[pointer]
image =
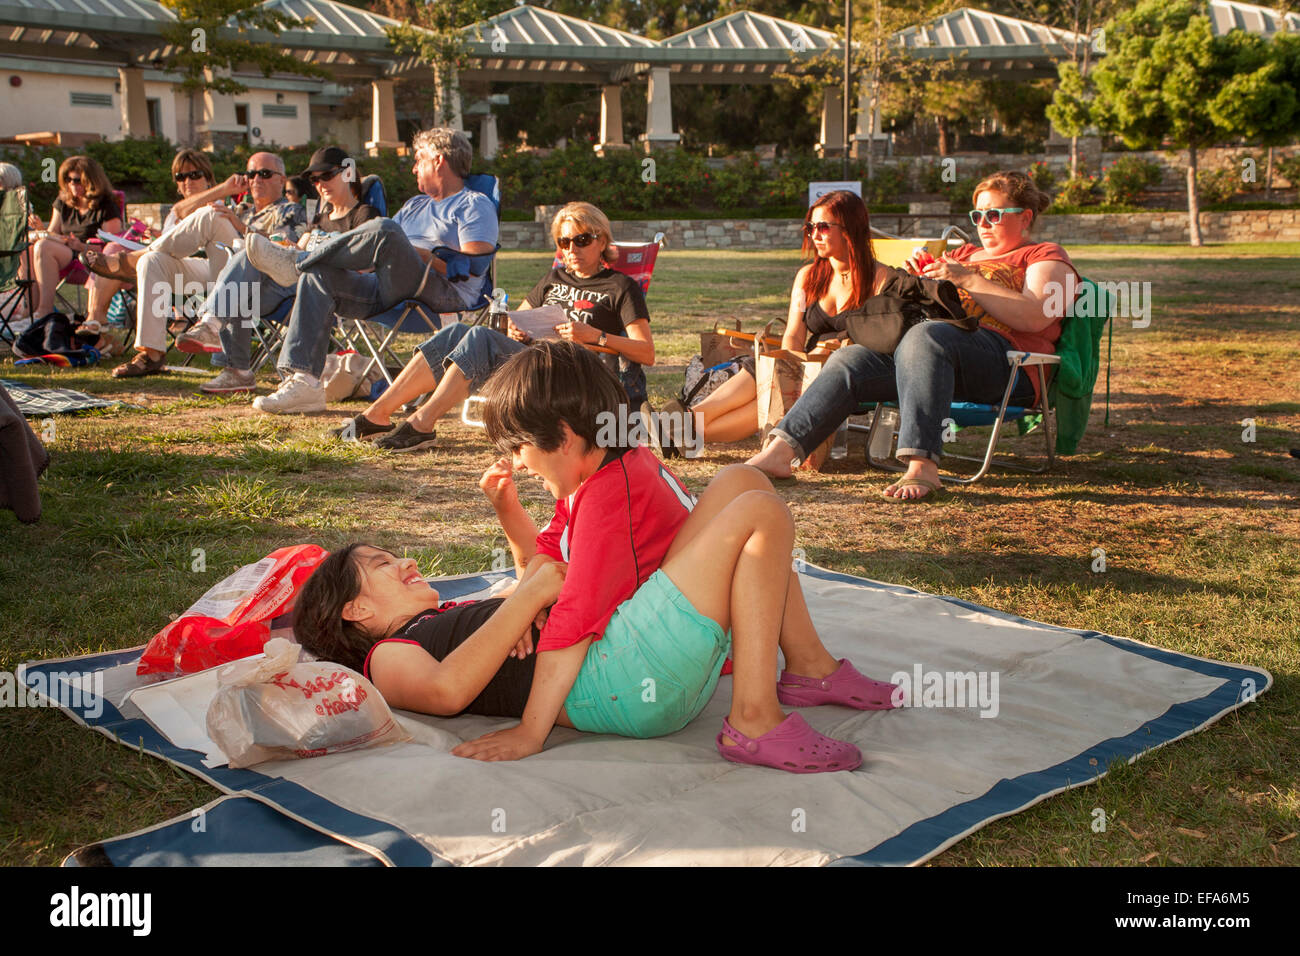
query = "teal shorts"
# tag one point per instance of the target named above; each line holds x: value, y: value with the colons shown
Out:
x: 655, y: 668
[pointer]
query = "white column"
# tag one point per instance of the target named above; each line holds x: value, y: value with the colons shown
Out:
x: 135, y: 109
x: 611, y: 118
x: 217, y: 128
x: 659, y: 110
x: 831, y: 140
x: 488, y: 144
x: 383, y: 118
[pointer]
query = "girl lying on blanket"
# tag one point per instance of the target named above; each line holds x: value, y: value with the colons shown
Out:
x: 658, y: 587
x: 371, y: 611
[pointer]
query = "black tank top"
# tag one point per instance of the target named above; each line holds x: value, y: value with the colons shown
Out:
x: 822, y: 326
x: 443, y: 629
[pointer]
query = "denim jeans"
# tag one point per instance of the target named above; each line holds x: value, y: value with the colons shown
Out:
x: 477, y: 351
x: 329, y: 285
x: 934, y: 365
x: 241, y: 294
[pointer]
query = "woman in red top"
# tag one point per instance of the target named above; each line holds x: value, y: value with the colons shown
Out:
x: 1008, y: 283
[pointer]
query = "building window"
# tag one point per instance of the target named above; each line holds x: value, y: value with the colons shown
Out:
x: 92, y: 99
x: 274, y: 111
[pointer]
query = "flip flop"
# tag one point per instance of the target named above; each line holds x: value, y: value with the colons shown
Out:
x: 791, y: 746
x: 110, y: 265
x: 936, y: 490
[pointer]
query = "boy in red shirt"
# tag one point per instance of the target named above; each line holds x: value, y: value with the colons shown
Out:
x: 655, y: 583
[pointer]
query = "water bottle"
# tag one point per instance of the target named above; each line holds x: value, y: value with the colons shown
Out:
x: 497, y: 311
x: 882, y: 442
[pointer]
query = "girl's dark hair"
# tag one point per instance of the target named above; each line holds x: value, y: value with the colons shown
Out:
x: 546, y: 384
x: 850, y: 212
x: 318, y: 623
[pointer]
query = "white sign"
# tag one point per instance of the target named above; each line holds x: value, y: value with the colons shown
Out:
x: 817, y: 190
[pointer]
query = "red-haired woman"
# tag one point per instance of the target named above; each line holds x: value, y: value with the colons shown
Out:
x: 1007, y: 283
x: 840, y: 277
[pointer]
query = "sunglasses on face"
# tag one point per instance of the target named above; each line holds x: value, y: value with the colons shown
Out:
x: 819, y: 228
x: 316, y: 178
x: 74, y: 180
x: 186, y: 177
x: 992, y: 216
x: 582, y: 241
x: 260, y: 173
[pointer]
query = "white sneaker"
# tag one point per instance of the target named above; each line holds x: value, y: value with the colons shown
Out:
x: 299, y: 393
x: 277, y: 261
x: 230, y: 380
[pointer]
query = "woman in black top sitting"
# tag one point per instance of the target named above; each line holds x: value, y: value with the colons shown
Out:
x: 373, y: 612
x: 843, y: 273
x: 85, y: 205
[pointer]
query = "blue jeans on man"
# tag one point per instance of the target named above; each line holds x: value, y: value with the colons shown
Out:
x: 934, y: 365
x: 232, y: 301
x: 330, y: 285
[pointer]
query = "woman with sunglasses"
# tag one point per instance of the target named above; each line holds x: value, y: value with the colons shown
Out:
x: 1007, y: 283
x: 840, y: 277
x: 604, y: 310
x: 84, y: 206
x: 192, y: 173
x: 222, y: 326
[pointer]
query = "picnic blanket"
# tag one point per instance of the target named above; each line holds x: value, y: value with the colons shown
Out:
x: 1044, y: 709
x: 34, y: 402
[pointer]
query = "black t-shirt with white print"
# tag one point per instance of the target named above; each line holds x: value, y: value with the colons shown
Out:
x: 609, y: 301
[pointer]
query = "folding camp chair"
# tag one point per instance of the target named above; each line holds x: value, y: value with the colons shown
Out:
x: 413, y: 316
x: 14, y: 292
x: 1041, y: 415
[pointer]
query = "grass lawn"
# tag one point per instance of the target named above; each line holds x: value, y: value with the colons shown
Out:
x: 1200, y: 529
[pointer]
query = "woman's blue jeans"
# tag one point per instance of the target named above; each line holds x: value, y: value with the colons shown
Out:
x: 934, y: 365
x: 477, y: 351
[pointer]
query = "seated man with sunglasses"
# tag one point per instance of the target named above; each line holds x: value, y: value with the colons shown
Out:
x: 426, y: 252
x: 603, y: 308
x: 242, y: 294
x: 170, y: 266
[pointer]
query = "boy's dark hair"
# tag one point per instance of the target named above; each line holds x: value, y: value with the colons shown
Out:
x: 318, y: 623
x: 544, y: 385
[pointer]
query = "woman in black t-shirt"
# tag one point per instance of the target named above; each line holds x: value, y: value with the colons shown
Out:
x: 85, y: 205
x: 373, y: 612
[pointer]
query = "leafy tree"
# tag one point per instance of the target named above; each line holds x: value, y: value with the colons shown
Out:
x: 1167, y: 79
x: 205, y: 51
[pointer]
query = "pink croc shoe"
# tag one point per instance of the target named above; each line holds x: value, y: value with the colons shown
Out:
x: 791, y: 746
x: 845, y: 687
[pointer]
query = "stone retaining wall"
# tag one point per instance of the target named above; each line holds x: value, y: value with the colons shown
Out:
x: 1252, y: 225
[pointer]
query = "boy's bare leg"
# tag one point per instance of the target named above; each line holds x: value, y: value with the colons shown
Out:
x: 804, y: 653
x: 738, y: 574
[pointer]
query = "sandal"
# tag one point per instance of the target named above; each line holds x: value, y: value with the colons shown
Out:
x: 791, y: 746
x: 846, y: 687
x: 110, y: 265
x: 935, y: 491
x: 140, y: 365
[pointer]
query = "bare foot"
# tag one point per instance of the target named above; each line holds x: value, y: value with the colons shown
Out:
x: 774, y: 461
x: 924, y: 469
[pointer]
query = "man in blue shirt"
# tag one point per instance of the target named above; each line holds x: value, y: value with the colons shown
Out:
x: 446, y: 216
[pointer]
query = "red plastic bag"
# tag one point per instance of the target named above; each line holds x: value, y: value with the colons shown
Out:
x: 234, y: 618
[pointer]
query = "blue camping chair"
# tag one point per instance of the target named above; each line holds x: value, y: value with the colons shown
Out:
x: 1040, y: 416
x: 413, y: 316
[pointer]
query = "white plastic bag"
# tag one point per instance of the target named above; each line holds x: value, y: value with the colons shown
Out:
x: 278, y: 708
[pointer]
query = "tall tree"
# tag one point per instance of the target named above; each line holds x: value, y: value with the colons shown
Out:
x: 1167, y: 79
x: 205, y: 51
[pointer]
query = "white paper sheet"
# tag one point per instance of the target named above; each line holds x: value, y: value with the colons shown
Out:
x: 540, y: 322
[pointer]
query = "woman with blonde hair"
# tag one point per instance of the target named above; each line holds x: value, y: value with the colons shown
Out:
x: 603, y: 309
x: 84, y: 206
